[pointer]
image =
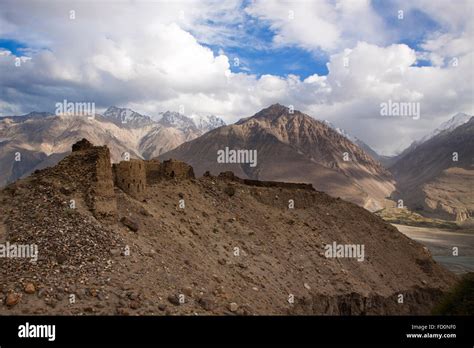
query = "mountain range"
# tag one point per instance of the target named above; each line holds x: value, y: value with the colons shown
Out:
x: 38, y: 140
x: 436, y: 176
x: 291, y: 146
x: 385, y: 160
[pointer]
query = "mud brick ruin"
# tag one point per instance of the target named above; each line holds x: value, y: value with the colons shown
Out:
x: 99, y: 179
x: 89, y: 167
x: 249, y: 182
x: 130, y: 177
x: 170, y: 169
x: 134, y: 175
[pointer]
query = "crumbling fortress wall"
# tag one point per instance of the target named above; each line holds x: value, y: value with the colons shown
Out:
x: 288, y: 194
x: 249, y: 182
x: 170, y: 169
x: 153, y: 171
x: 88, y: 168
x: 130, y: 176
x: 177, y: 169
x: 101, y: 195
x: 134, y: 175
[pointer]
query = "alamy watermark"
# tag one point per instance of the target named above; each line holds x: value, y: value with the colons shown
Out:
x: 28, y: 330
x: 26, y: 251
x: 75, y: 109
x: 334, y: 250
x: 237, y: 156
x: 400, y: 109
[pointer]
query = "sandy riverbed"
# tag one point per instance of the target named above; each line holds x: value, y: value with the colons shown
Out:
x: 441, y: 243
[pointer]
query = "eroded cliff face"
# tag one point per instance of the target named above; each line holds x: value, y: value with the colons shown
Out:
x: 213, y: 245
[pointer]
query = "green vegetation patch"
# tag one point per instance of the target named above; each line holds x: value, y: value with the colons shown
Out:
x: 406, y: 217
x: 460, y: 300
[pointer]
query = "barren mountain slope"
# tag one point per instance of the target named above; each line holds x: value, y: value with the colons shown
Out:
x: 234, y: 247
x: 40, y: 140
x: 293, y: 147
x: 431, y: 182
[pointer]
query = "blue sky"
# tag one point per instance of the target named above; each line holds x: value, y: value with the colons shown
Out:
x: 13, y: 46
x: 264, y: 58
x: 276, y: 61
x: 141, y: 55
x: 259, y: 61
x: 258, y: 56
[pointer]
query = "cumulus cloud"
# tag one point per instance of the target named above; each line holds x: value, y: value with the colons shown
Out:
x: 153, y: 56
x: 320, y: 25
x: 388, y: 73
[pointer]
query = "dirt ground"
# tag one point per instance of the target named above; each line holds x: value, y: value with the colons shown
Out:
x: 207, y: 246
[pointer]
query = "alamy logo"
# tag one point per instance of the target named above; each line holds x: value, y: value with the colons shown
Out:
x: 75, y: 109
x: 37, y: 331
x: 27, y: 251
x: 334, y: 250
x: 402, y: 109
x: 237, y: 156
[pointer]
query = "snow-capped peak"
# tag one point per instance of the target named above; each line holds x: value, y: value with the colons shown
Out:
x: 341, y: 131
x: 449, y: 125
x: 183, y: 122
x: 126, y: 116
x: 207, y: 123
x: 175, y: 120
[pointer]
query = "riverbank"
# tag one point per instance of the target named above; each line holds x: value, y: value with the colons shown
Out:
x: 441, y: 243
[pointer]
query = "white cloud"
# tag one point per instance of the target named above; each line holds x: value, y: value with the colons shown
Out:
x: 377, y: 74
x: 320, y: 25
x: 455, y: 36
x: 151, y: 56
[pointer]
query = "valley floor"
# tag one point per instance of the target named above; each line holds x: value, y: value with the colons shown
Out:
x: 441, y: 242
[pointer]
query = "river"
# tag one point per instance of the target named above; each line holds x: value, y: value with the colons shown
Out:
x: 441, y: 242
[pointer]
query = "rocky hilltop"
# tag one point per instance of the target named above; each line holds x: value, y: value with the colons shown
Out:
x: 147, y: 237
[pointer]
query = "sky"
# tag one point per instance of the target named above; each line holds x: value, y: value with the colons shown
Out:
x: 336, y: 60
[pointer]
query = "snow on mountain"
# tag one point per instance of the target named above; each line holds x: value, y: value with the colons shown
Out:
x: 175, y: 120
x: 341, y: 131
x: 126, y: 116
x: 454, y: 122
x: 385, y: 160
x: 457, y: 120
x: 189, y: 124
x: 207, y: 123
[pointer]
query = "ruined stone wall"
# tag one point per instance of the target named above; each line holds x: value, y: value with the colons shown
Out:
x: 177, y: 169
x: 288, y: 185
x: 88, y: 171
x: 130, y: 176
x: 153, y: 171
x: 101, y: 193
x: 171, y: 169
